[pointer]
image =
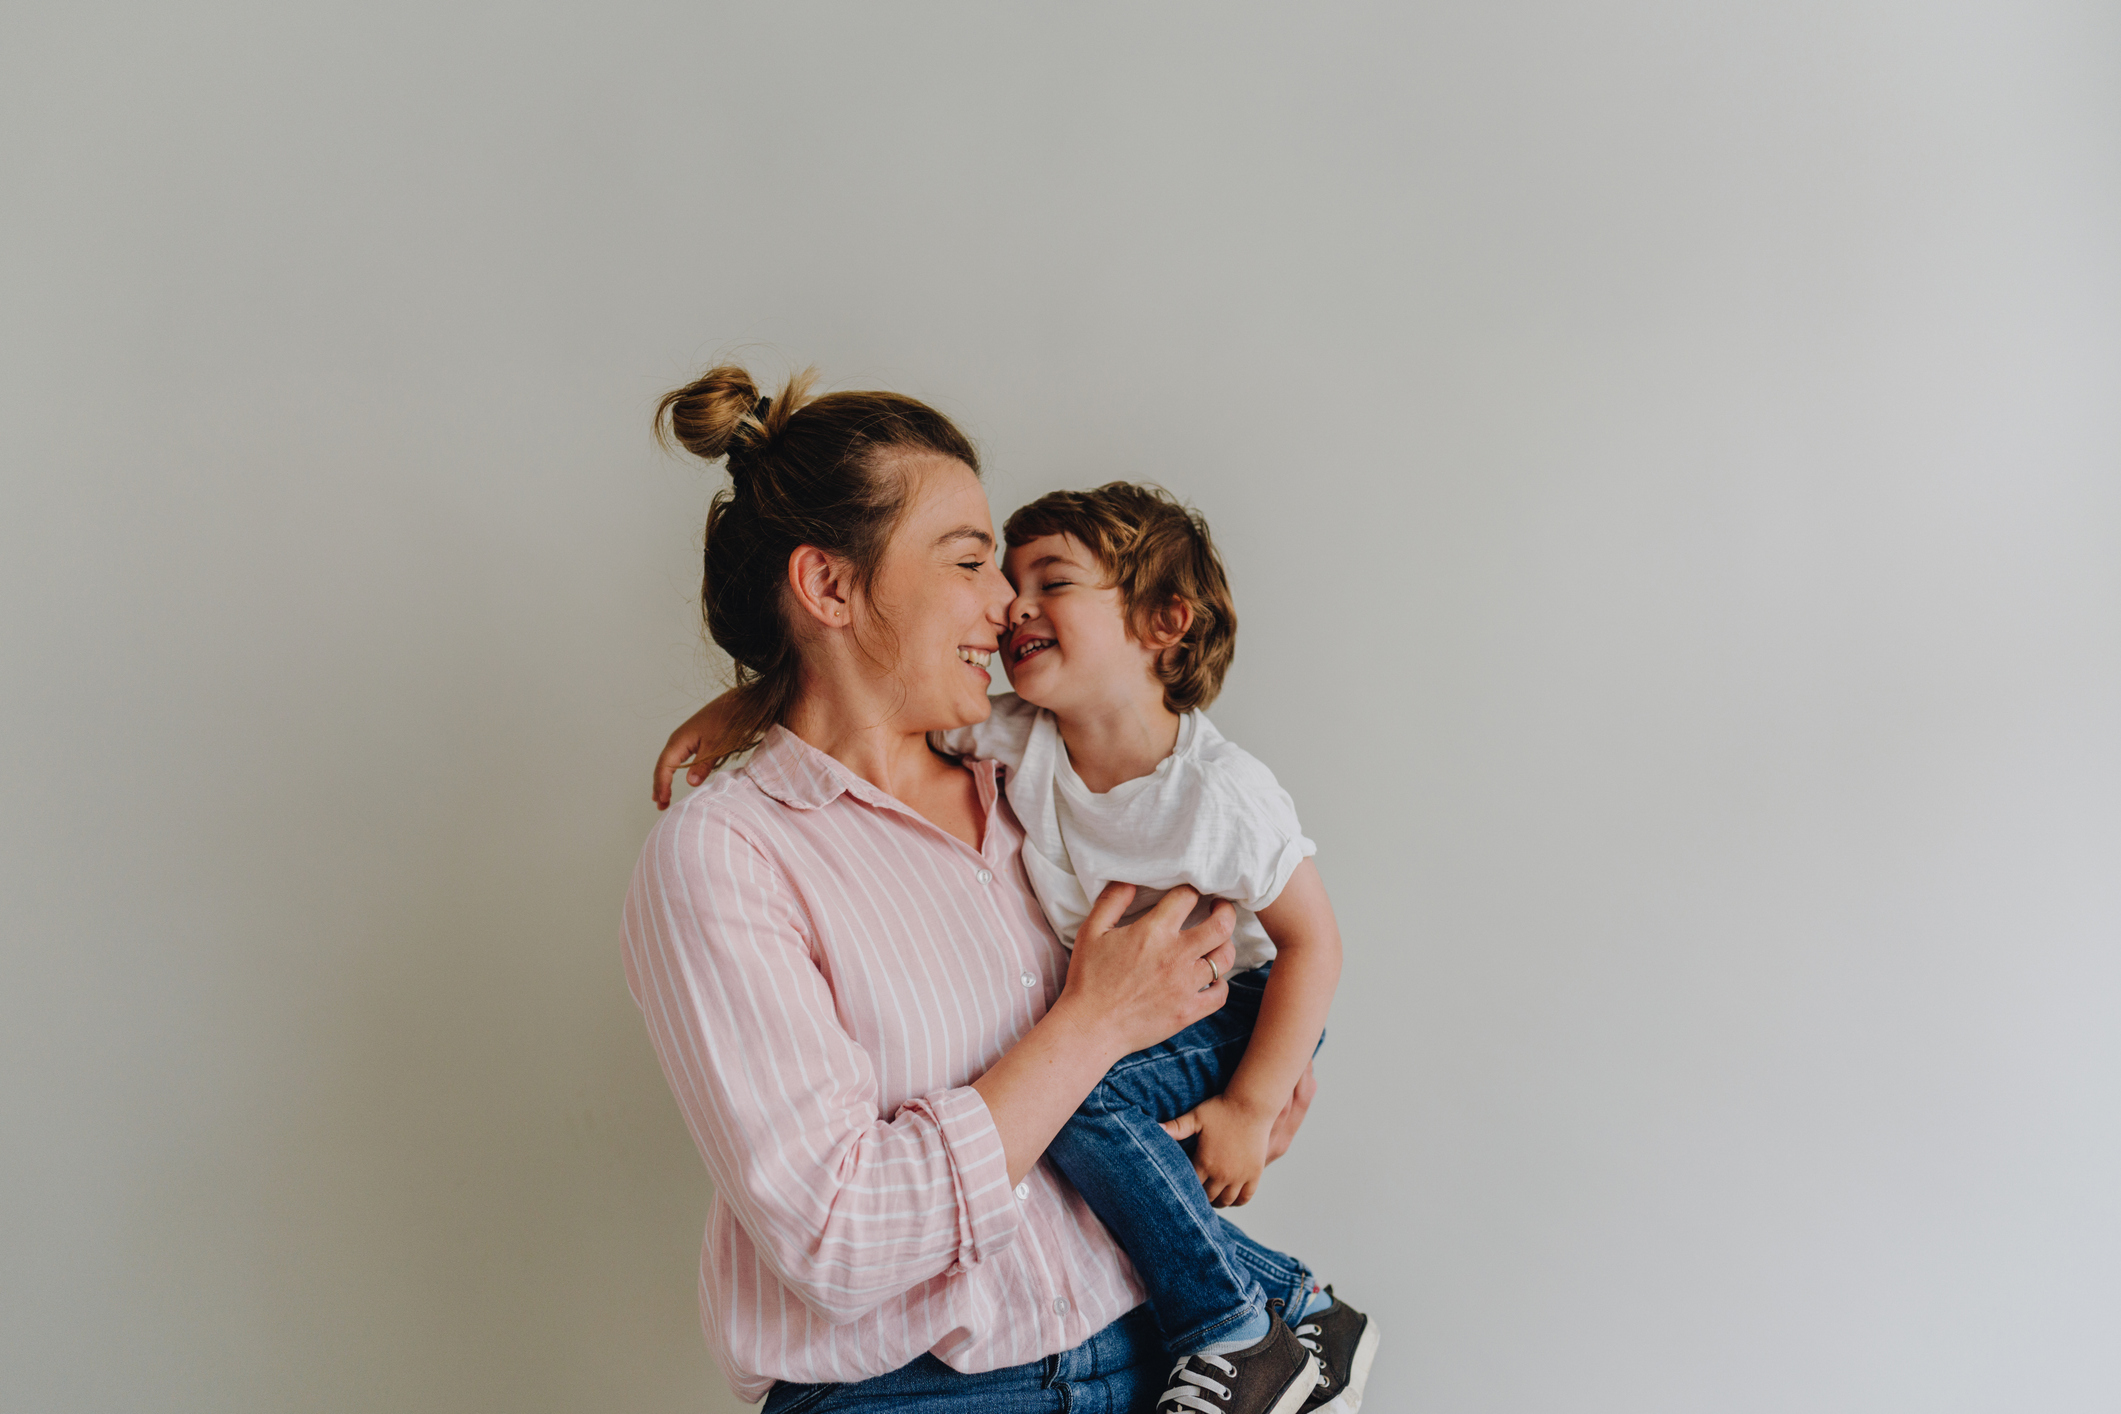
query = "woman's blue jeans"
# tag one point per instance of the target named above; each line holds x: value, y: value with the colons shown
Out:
x: 1205, y: 1278
x: 1120, y: 1370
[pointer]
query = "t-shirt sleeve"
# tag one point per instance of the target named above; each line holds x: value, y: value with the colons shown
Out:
x: 1000, y: 738
x: 1247, y: 840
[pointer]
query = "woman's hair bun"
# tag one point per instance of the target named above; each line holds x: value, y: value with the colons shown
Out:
x: 709, y: 416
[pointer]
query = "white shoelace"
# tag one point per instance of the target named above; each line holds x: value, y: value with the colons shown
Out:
x: 1304, y: 1337
x: 1190, y: 1382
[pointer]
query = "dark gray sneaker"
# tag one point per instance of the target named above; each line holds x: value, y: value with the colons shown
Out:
x: 1345, y: 1343
x: 1272, y: 1377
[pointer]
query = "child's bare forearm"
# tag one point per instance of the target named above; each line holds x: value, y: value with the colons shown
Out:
x: 1292, y: 1016
x: 1292, y: 1013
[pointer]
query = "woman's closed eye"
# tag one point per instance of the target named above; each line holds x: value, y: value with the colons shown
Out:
x: 970, y: 564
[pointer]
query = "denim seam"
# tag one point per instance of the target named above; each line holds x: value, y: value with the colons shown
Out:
x: 1296, y: 1273
x: 1163, y: 1057
x: 1214, y: 1240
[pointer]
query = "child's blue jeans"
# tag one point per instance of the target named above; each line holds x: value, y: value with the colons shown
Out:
x: 1204, y: 1276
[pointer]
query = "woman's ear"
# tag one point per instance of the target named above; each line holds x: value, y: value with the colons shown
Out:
x: 822, y: 585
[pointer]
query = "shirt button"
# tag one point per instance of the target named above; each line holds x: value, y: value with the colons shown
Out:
x: 985, y: 876
x: 1023, y: 1192
x: 1029, y: 980
x: 1060, y: 1305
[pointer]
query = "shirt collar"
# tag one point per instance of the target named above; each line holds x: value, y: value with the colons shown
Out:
x: 802, y: 777
x: 796, y: 773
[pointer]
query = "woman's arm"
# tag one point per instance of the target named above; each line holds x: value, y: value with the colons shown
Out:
x: 848, y: 1209
x: 1236, y: 1128
x: 1127, y: 989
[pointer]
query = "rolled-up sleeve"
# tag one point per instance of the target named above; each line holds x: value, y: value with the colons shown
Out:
x: 848, y: 1207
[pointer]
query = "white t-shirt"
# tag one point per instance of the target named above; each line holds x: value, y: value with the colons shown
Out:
x: 1210, y: 816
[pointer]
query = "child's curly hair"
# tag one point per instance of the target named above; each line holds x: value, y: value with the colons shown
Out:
x: 1158, y: 553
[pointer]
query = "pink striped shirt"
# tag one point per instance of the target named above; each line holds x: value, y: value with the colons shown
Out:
x: 823, y: 973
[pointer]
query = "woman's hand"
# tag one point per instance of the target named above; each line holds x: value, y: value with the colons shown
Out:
x: 1292, y: 1115
x: 1150, y: 980
x: 1127, y: 988
x: 690, y: 744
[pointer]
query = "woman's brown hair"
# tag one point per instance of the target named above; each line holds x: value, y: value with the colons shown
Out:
x: 803, y: 470
x: 1159, y: 554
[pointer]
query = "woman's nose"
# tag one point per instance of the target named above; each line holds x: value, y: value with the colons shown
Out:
x: 1005, y: 597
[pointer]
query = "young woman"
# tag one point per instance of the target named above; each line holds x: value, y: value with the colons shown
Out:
x: 871, y: 1030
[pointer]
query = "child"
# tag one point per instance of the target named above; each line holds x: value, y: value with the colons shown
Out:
x: 1120, y: 632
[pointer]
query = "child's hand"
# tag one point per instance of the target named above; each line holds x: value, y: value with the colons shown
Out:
x: 693, y: 744
x: 1230, y: 1151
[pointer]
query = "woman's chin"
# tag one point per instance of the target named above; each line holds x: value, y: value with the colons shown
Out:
x: 974, y: 710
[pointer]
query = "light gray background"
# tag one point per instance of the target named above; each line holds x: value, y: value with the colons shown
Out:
x: 1670, y: 461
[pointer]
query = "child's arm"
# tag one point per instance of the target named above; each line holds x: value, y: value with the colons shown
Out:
x: 703, y: 739
x: 1236, y: 1126
x: 693, y: 742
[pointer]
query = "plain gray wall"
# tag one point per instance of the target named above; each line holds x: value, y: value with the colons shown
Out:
x: 1670, y: 461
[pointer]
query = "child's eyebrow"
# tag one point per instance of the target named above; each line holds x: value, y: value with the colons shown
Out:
x: 1044, y: 560
x: 965, y: 532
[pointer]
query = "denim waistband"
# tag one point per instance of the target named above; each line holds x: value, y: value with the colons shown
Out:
x: 1111, y: 1372
x: 1126, y: 1342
